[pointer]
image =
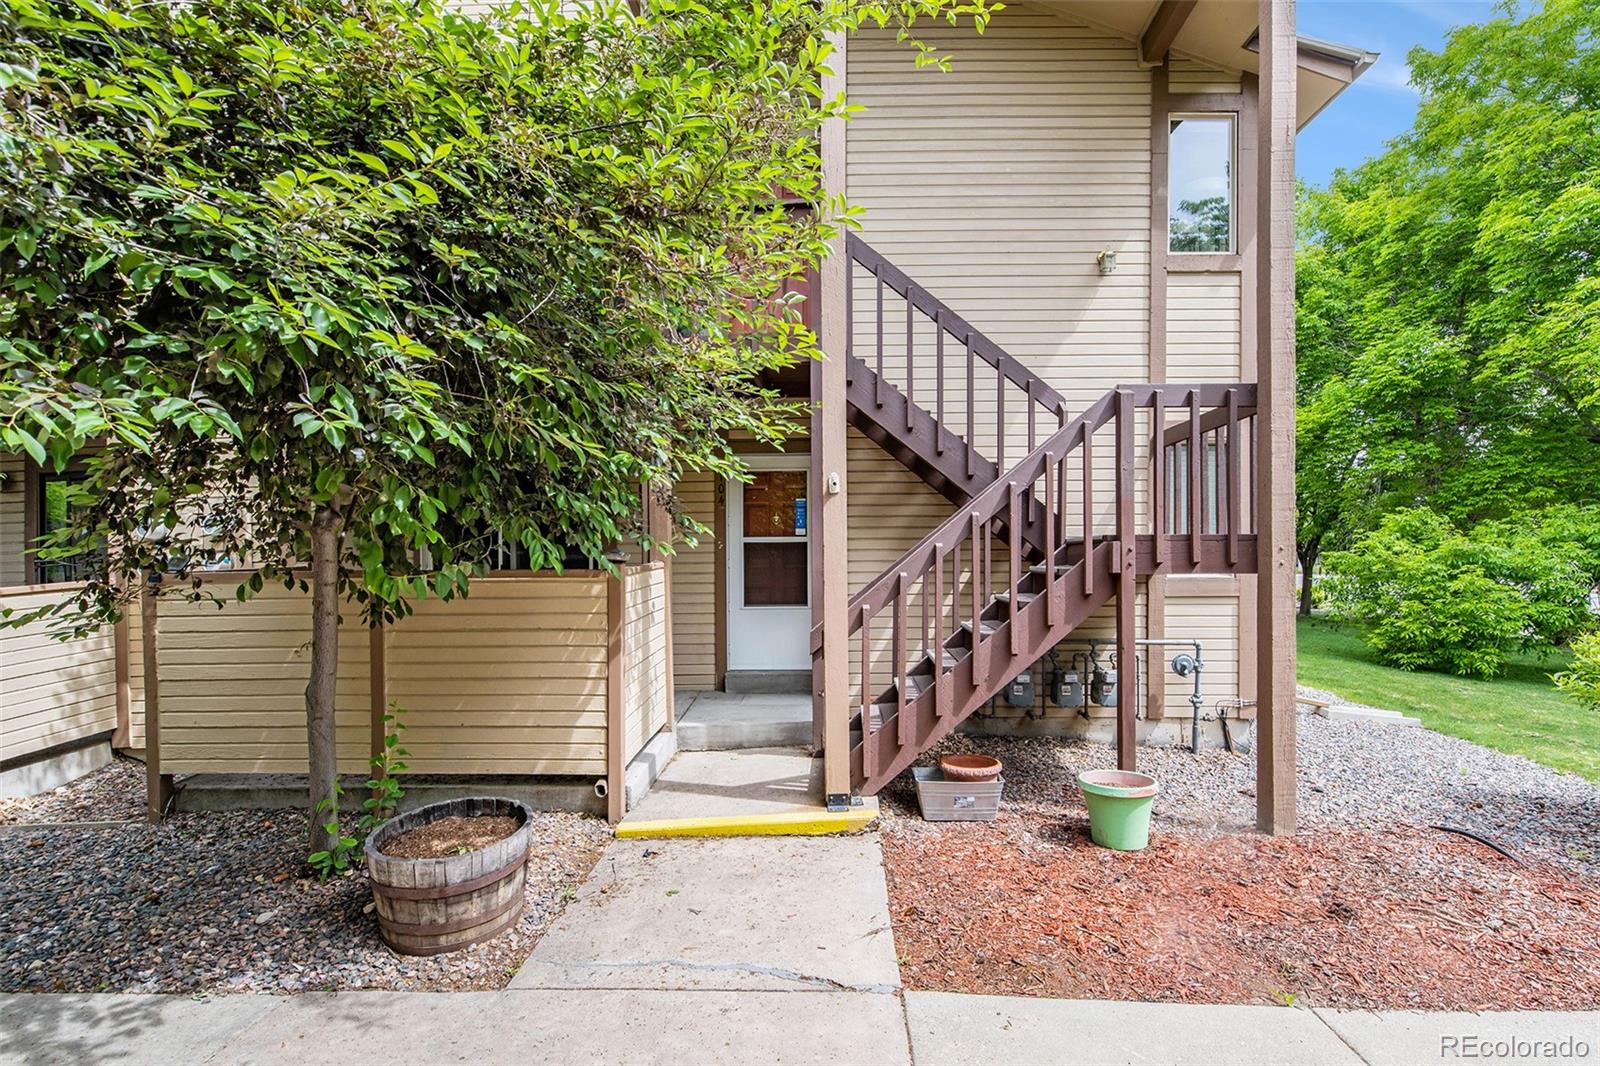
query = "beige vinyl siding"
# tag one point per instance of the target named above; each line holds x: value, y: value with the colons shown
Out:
x: 1213, y: 619
x: 511, y: 679
x: 51, y: 691
x: 694, y: 620
x: 1203, y: 327
x: 1191, y: 76
x: 644, y: 668
x: 233, y: 683
x: 13, y: 521
x: 890, y: 510
x: 995, y: 186
x: 508, y: 680
x: 135, y: 740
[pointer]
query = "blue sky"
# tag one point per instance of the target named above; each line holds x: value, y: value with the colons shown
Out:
x: 1381, y: 104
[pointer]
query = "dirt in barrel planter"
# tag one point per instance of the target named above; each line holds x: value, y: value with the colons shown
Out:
x: 454, y: 835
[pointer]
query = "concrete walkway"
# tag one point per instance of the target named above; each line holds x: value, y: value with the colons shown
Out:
x: 743, y: 950
x: 645, y: 1025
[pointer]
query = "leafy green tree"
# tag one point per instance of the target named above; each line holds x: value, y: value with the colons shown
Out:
x: 1581, y: 680
x: 1435, y: 598
x: 1456, y: 273
x: 370, y: 285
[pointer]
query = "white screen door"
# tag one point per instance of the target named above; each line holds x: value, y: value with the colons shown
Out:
x: 769, y: 566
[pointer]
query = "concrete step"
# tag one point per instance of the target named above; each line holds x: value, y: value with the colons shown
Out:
x: 720, y: 721
x: 776, y: 791
x: 1367, y: 715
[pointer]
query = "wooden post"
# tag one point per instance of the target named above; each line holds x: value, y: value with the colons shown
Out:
x: 1127, y: 586
x: 666, y: 605
x: 122, y: 737
x: 157, y: 785
x: 378, y: 686
x: 616, y: 716
x: 1275, y: 608
x: 828, y: 441
x: 1155, y: 622
x: 659, y: 524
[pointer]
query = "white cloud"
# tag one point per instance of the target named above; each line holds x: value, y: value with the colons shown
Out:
x: 1392, y: 75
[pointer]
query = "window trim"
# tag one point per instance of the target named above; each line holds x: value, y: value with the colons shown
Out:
x: 1234, y: 121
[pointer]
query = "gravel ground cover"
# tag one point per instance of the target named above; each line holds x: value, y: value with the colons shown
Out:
x: 222, y: 902
x: 1365, y: 906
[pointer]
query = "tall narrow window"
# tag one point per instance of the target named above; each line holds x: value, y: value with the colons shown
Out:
x: 1200, y: 183
x: 57, y: 509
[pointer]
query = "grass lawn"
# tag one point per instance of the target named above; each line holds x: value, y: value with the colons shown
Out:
x: 1520, y: 712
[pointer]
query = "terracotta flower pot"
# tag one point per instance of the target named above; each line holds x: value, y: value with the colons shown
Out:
x: 970, y: 767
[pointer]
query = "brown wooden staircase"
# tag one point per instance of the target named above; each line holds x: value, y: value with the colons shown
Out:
x: 946, y: 627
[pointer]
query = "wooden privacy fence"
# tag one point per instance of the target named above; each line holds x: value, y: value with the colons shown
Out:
x: 533, y: 673
x: 55, y: 694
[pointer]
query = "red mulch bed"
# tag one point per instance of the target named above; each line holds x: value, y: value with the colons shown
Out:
x: 1027, y: 905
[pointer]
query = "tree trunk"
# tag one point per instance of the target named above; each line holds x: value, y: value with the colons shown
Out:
x: 1308, y: 563
x: 321, y: 737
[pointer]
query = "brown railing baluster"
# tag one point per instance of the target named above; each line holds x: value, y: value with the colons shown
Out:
x: 867, y: 699
x: 1158, y: 471
x: 901, y: 732
x: 1255, y: 486
x: 972, y: 417
x: 1000, y: 414
x: 1050, y: 612
x: 1014, y: 560
x: 1088, y: 510
x: 955, y: 587
x: 877, y: 386
x: 1060, y: 518
x: 938, y: 381
x: 911, y: 371
x: 979, y: 674
x: 849, y: 313
x: 1196, y: 478
x: 941, y: 691
x: 922, y: 589
x: 1232, y: 460
x: 1032, y: 436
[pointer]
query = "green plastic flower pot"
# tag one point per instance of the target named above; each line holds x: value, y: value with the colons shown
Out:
x: 1119, y: 803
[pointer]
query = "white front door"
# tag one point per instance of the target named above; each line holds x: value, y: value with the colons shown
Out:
x: 769, y: 566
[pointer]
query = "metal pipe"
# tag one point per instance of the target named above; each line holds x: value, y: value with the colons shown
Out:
x: 1195, y: 700
x: 601, y: 788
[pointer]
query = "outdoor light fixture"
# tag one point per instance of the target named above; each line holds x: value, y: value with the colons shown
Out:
x: 1108, y: 261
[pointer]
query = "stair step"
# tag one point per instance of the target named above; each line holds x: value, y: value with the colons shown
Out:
x: 988, y: 626
x: 1023, y: 598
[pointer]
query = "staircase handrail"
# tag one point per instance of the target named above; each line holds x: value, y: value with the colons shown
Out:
x: 1014, y: 369
x: 988, y: 504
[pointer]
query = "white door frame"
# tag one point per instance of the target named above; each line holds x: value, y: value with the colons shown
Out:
x: 766, y: 638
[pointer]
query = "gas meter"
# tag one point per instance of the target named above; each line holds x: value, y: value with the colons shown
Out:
x: 1066, y: 688
x: 1103, y: 687
x: 1019, y: 693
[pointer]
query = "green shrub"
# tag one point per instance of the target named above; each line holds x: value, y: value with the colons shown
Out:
x: 1581, y: 679
x: 1435, y: 598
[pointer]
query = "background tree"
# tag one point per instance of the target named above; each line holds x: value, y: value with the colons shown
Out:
x: 362, y: 283
x: 1201, y: 225
x: 1449, y: 351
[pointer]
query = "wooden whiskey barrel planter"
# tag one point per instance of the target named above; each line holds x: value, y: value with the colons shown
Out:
x: 430, y: 906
